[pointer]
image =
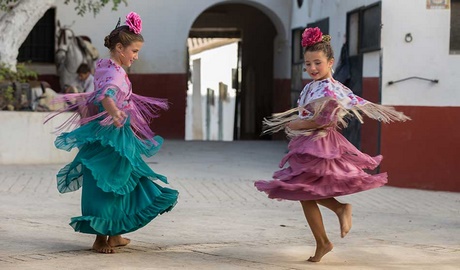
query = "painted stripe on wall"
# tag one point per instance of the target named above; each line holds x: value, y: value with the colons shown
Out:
x: 423, y: 153
x: 171, y: 123
x: 370, y: 128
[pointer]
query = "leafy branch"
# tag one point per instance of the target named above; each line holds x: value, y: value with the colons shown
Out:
x: 82, y: 6
x: 87, y: 6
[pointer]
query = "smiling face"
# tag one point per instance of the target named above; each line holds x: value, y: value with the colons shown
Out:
x: 317, y: 65
x: 127, y: 55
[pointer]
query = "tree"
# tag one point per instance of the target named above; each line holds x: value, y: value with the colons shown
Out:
x: 20, y: 16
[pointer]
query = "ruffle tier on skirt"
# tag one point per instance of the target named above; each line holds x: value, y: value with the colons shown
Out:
x: 322, y: 168
x: 119, y: 194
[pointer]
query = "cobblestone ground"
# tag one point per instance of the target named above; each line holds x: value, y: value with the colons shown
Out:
x: 222, y: 222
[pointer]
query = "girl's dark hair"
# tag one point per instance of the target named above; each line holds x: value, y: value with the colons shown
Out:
x: 122, y: 35
x: 324, y: 46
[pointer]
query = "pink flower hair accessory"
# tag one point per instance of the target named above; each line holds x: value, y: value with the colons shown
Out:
x: 134, y: 22
x: 311, y: 36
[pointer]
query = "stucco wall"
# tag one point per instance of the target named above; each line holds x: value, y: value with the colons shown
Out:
x: 421, y: 153
x: 426, y: 56
x: 166, y: 25
x: 24, y: 139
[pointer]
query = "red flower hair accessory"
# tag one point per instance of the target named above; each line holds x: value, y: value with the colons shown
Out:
x: 311, y: 36
x: 134, y: 22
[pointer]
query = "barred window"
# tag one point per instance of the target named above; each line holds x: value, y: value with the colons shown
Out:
x: 39, y: 44
x: 371, y: 27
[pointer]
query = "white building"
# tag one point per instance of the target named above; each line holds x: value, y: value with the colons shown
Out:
x: 412, y: 43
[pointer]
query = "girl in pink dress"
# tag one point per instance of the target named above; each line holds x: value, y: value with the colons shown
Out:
x: 322, y: 163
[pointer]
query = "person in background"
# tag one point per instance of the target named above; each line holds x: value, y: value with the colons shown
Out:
x: 85, y: 81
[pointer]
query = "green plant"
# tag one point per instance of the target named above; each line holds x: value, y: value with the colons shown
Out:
x: 22, y: 74
x: 7, y: 78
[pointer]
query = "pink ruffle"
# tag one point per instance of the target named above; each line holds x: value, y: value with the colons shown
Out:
x: 322, y: 168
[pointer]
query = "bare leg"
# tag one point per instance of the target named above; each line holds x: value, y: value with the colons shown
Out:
x: 315, y: 221
x: 118, y: 241
x: 343, y: 211
x: 100, y: 245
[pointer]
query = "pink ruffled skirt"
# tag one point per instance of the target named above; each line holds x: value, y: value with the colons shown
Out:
x: 322, y: 168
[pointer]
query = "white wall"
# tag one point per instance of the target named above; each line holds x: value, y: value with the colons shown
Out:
x: 24, y: 139
x: 166, y: 25
x: 426, y: 56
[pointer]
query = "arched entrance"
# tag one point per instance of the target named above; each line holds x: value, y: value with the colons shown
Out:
x: 253, y: 71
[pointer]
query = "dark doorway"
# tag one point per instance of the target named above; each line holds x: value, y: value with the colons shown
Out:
x: 254, y: 99
x: 353, y: 131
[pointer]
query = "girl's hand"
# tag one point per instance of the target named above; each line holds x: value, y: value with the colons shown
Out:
x: 118, y: 118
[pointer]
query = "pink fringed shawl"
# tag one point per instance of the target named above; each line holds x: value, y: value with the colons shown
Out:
x: 111, y: 80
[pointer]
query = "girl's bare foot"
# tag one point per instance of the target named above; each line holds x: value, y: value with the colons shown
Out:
x: 345, y: 219
x: 100, y: 245
x: 321, y: 250
x: 118, y: 241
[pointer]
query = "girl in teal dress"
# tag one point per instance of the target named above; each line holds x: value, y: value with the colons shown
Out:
x: 119, y: 194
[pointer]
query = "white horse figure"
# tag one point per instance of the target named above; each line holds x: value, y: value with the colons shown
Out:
x: 72, y: 51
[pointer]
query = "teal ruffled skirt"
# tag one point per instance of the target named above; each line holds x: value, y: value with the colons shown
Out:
x: 119, y: 194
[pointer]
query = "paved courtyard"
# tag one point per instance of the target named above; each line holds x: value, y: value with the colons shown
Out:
x: 222, y: 222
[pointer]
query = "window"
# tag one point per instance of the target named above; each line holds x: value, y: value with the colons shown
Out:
x: 297, y: 52
x: 455, y: 27
x: 364, y: 29
x: 353, y: 32
x: 371, y: 21
x: 323, y: 25
x: 39, y: 45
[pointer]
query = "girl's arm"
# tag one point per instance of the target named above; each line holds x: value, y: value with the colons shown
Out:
x: 300, y: 124
x: 118, y: 116
x: 325, y: 118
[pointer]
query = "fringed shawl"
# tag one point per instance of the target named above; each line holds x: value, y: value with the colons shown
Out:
x: 329, y: 103
x: 111, y: 80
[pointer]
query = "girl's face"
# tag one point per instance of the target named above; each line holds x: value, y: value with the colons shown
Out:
x: 317, y: 65
x: 127, y: 55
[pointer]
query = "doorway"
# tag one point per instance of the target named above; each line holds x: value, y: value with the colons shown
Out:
x: 252, y: 80
x: 211, y: 94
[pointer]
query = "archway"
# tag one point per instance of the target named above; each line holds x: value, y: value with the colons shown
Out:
x: 253, y: 71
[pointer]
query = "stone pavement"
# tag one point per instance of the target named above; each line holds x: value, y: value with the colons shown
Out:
x: 222, y: 222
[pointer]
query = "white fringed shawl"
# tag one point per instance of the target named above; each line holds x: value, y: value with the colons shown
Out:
x: 332, y: 98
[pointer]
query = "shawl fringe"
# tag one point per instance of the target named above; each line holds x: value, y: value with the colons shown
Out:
x: 279, y: 121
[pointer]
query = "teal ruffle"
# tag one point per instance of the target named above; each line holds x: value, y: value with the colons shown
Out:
x: 118, y: 194
x: 115, y: 223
